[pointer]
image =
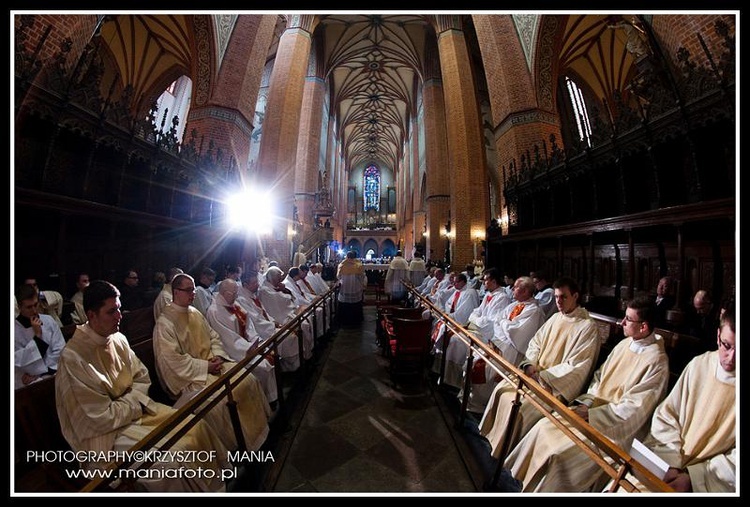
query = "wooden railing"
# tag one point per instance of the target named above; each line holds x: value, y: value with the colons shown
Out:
x: 195, y: 410
x: 619, y: 462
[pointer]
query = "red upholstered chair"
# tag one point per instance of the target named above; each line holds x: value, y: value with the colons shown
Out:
x: 409, y: 344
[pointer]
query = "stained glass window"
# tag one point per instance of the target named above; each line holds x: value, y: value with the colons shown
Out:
x: 372, y: 188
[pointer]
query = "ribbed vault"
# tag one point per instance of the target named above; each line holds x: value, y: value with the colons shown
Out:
x: 374, y: 65
x: 145, y: 47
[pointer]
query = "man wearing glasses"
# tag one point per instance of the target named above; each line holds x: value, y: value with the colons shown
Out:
x: 694, y: 428
x: 619, y: 402
x: 190, y: 357
x: 131, y: 297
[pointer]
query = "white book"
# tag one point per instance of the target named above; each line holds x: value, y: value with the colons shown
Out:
x: 648, y: 459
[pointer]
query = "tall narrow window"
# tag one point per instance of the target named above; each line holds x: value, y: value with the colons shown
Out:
x: 579, y: 110
x: 372, y: 188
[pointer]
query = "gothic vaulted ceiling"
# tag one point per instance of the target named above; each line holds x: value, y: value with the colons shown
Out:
x: 374, y: 65
x: 144, y: 47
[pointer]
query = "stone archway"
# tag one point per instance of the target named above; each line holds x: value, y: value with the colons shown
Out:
x: 354, y: 244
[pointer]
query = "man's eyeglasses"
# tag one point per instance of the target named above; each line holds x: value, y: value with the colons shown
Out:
x: 628, y: 319
x: 726, y: 346
x: 191, y: 290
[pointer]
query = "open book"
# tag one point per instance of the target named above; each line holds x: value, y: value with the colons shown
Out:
x: 648, y: 459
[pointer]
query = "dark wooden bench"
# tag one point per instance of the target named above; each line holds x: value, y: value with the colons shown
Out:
x: 37, y: 429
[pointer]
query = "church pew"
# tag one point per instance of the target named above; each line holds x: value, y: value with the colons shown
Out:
x: 37, y: 429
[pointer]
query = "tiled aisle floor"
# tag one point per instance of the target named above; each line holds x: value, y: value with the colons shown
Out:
x: 362, y: 433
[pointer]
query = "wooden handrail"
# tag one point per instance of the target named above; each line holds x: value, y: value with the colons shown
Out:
x: 225, y: 383
x: 535, y: 394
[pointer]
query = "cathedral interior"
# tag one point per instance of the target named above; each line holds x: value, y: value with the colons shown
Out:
x: 598, y: 146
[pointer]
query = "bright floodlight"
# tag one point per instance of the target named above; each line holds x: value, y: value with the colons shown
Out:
x: 251, y: 211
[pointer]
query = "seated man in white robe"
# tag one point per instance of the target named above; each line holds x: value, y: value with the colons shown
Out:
x: 619, y: 402
x: 37, y: 338
x: 189, y: 357
x: 321, y: 286
x: 293, y: 282
x: 513, y: 328
x: 430, y: 275
x: 280, y: 304
x: 101, y: 393
x: 398, y: 270
x: 304, y: 284
x: 264, y: 323
x: 459, y: 307
x: 560, y: 357
x: 482, y: 319
x: 165, y: 295
x: 238, y: 335
x: 694, y: 430
x: 78, y: 316
x: 315, y: 277
x: 50, y: 302
x: 442, y: 292
x: 204, y: 295
x: 545, y: 293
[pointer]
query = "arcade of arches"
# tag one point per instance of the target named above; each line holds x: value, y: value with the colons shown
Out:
x: 596, y: 146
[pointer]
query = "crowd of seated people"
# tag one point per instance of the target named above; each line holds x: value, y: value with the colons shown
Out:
x: 102, y: 386
x: 557, y: 348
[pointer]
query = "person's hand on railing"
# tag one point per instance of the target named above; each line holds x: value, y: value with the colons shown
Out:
x: 214, y: 365
x: 531, y: 371
x: 581, y: 411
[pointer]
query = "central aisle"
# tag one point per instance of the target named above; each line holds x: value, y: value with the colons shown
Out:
x: 362, y: 433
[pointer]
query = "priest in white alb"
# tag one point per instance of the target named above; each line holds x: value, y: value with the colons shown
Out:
x: 101, y: 393
x: 512, y: 330
x: 189, y: 357
x: 619, y: 402
x: 560, y: 357
x: 280, y: 304
x: 694, y: 430
x: 293, y: 282
x: 238, y: 335
x: 460, y: 305
x: 264, y: 324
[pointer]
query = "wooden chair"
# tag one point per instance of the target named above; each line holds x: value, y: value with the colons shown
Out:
x: 409, y: 344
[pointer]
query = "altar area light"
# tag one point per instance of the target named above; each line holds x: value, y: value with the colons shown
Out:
x: 251, y: 211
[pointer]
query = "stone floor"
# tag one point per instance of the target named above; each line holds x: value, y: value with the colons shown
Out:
x: 361, y: 432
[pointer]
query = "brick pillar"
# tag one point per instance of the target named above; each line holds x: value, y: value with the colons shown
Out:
x: 468, y: 175
x: 308, y: 152
x: 436, y: 163
x: 278, y: 148
x: 225, y: 116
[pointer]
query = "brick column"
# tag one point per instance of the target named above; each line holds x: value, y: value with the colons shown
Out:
x: 436, y: 163
x: 278, y: 148
x: 308, y: 152
x: 468, y: 173
x: 224, y: 114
